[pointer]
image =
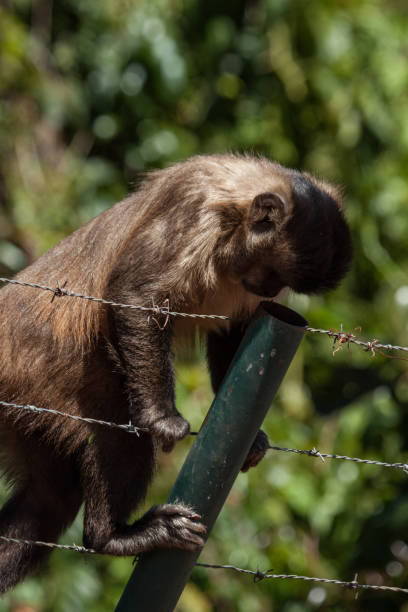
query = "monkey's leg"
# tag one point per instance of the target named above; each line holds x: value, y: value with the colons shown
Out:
x: 144, y: 351
x: 41, y: 509
x: 221, y: 348
x: 116, y: 471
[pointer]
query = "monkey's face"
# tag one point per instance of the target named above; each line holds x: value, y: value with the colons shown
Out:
x: 303, y: 243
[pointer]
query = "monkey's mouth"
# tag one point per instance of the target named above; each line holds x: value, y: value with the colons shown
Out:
x: 268, y: 291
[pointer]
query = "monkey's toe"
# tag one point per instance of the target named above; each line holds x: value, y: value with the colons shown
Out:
x: 257, y: 451
x: 176, y: 526
x: 179, y: 509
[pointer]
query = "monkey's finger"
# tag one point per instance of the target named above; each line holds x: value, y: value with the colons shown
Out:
x: 188, y: 544
x: 184, y: 535
x: 191, y: 539
x: 177, y: 510
x: 183, y: 523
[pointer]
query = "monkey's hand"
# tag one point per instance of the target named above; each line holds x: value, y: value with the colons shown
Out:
x: 257, y: 451
x: 169, y: 429
x: 173, y: 526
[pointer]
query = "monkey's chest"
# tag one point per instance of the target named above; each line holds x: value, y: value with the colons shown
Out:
x: 229, y: 300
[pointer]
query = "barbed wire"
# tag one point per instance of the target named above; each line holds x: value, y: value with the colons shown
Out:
x: 74, y: 547
x: 129, y: 428
x: 60, y: 291
x: 135, y: 430
x: 339, y: 336
x: 258, y: 575
x: 316, y: 453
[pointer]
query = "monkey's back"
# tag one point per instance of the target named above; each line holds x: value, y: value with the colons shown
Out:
x: 72, y: 379
x: 54, y: 355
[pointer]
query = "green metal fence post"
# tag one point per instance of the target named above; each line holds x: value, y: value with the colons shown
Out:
x: 219, y: 450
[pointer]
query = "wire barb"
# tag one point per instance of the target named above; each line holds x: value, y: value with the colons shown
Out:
x: 159, y: 310
x: 59, y: 291
x: 316, y: 453
x: 354, y: 585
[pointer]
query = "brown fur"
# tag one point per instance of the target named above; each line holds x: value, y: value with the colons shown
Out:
x: 214, y: 234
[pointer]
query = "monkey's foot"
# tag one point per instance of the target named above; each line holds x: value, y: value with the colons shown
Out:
x: 166, y: 526
x: 174, y: 526
x: 257, y: 451
x: 169, y: 430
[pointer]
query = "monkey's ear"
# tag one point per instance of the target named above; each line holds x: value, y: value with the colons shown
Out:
x: 267, y: 212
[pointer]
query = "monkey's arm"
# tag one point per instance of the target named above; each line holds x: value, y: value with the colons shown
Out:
x: 145, y: 355
x: 221, y: 348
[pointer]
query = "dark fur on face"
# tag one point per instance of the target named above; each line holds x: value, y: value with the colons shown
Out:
x: 215, y: 234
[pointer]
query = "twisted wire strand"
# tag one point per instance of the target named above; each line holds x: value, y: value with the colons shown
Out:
x: 339, y: 336
x: 370, y: 345
x: 74, y: 547
x: 135, y: 430
x: 257, y: 575
x: 61, y: 291
x: 316, y: 453
x: 129, y: 428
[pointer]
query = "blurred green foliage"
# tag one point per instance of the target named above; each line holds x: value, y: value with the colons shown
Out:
x: 92, y: 93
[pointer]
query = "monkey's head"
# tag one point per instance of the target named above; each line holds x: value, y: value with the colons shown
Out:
x: 295, y: 237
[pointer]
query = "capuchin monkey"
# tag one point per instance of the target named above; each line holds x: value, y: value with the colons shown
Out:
x: 213, y: 235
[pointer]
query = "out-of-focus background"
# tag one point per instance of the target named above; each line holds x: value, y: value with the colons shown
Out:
x: 91, y: 94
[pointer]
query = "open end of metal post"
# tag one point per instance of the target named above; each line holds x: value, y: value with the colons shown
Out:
x: 283, y: 313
